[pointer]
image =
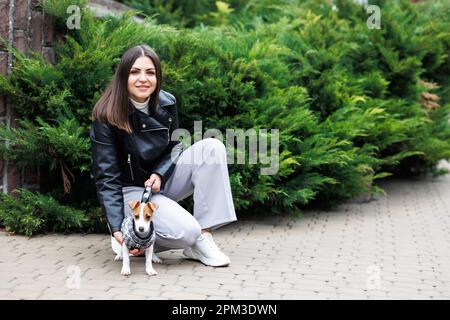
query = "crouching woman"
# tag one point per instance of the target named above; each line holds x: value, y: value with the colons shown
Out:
x: 132, y: 148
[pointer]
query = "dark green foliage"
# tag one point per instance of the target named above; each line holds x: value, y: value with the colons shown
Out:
x: 346, y: 99
x: 32, y: 212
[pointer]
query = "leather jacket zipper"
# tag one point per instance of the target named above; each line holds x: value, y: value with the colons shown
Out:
x: 131, y: 169
x: 168, y: 131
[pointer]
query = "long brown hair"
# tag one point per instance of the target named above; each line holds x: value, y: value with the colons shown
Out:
x: 113, y: 105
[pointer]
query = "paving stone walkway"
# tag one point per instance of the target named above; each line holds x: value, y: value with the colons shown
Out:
x: 395, y: 247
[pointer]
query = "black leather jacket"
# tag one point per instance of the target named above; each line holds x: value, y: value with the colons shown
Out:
x: 120, y: 159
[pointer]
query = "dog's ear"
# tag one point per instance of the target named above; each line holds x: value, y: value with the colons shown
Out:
x: 153, y: 205
x: 134, y: 204
x: 148, y: 211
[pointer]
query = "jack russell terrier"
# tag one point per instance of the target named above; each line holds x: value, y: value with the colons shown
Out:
x: 138, y: 233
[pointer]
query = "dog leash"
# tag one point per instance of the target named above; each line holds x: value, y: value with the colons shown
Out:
x: 147, y: 195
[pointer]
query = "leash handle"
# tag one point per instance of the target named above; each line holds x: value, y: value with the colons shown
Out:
x: 147, y: 195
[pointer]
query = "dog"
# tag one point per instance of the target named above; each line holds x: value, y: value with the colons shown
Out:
x: 138, y: 233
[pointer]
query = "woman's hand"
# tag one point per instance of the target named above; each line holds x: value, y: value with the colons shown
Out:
x: 119, y: 237
x: 154, y: 180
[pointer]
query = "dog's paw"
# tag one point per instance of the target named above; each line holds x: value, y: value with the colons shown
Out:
x: 118, y: 257
x: 125, y: 271
x: 150, y: 271
x: 156, y: 259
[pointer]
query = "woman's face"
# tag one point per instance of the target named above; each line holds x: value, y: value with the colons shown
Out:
x: 142, y: 79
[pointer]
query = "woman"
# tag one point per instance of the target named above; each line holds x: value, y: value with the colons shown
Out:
x: 131, y: 149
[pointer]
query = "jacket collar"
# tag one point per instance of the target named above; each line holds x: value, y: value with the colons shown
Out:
x: 144, y: 122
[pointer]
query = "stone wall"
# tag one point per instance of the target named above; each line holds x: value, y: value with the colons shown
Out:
x: 24, y: 26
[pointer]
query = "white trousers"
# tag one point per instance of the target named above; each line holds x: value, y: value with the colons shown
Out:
x: 202, y: 171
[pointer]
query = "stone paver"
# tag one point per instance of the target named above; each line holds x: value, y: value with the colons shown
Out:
x: 394, y: 247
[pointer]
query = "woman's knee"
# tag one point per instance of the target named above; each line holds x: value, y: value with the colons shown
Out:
x: 214, y: 143
x: 216, y: 151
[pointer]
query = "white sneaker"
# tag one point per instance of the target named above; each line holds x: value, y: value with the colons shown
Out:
x: 206, y: 250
